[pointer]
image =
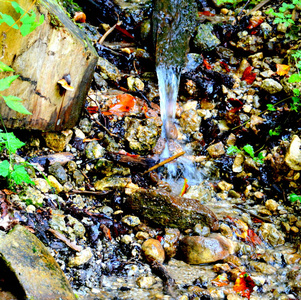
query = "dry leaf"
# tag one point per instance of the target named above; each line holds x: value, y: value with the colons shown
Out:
x: 244, y: 285
x: 248, y: 76
x: 125, y: 103
x: 282, y: 69
x: 255, y: 21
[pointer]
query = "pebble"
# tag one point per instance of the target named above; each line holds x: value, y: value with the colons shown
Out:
x: 216, y: 150
x: 80, y: 258
x: 54, y: 183
x: 271, y: 205
x: 271, y: 86
x: 58, y: 141
x: 271, y: 234
x: 131, y: 221
x: 293, y: 155
x: 94, y: 150
x: 145, y: 282
x: 153, y: 250
x: 171, y: 241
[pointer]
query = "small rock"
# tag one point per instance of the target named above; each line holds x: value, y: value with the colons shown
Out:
x: 171, y: 241
x: 32, y: 196
x: 107, y: 69
x: 58, y: 141
x: 205, y: 40
x: 145, y: 282
x: 293, y: 155
x: 226, y: 230
x: 78, y: 177
x: 58, y: 172
x: 77, y: 227
x: 271, y: 86
x: 225, y: 186
x: 220, y: 268
x: 54, y: 183
x: 111, y: 182
x: 131, y: 221
x: 42, y: 185
x: 237, y: 166
x: 216, y: 150
x: 80, y: 258
x: 199, y: 250
x: 153, y: 250
x: 271, y: 234
x: 100, y: 82
x: 94, y: 150
x: 190, y: 121
x: 141, y: 235
x: 263, y: 267
x: 201, y: 230
x: 271, y: 205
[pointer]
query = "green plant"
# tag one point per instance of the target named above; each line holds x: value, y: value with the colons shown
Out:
x: 283, y: 16
x: 233, y: 150
x: 12, y: 171
x: 297, y: 76
x: 275, y: 131
x: 293, y: 197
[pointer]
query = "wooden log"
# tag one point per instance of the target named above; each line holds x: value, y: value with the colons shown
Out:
x: 53, y: 50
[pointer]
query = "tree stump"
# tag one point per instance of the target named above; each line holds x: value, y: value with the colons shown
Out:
x: 54, y: 50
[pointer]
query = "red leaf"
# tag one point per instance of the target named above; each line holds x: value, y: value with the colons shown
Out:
x: 207, y: 65
x: 206, y: 13
x: 125, y: 103
x: 225, y: 66
x: 248, y: 76
x: 244, y: 285
x: 92, y: 109
x: 255, y: 21
x: 124, y: 32
x: 252, y: 238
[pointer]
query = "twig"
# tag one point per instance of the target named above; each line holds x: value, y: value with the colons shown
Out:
x: 65, y: 240
x: 266, y: 219
x: 88, y: 192
x: 164, y: 162
x: 102, y: 39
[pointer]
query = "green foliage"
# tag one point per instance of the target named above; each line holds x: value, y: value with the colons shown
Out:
x: 293, y: 197
x: 28, y: 19
x: 283, y: 15
x: 276, y: 131
x: 13, y: 172
x: 233, y: 150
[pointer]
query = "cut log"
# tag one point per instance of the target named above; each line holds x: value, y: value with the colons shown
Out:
x: 53, y: 50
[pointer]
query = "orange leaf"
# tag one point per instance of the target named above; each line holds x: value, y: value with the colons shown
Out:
x: 79, y: 17
x: 282, y: 69
x: 252, y: 238
x: 206, y: 13
x: 125, y: 103
x: 184, y: 188
x: 207, y: 65
x: 244, y: 285
x: 220, y: 280
x: 248, y: 76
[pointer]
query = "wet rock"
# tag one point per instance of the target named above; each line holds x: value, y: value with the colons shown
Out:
x: 131, y: 221
x: 171, y: 241
x: 42, y: 185
x: 108, y: 70
x: 225, y: 186
x: 135, y: 84
x: 271, y: 234
x: 85, y: 125
x: 145, y: 282
x: 32, y: 196
x: 78, y: 177
x: 55, y: 184
x: 237, y: 166
x: 153, y: 250
x: 263, y: 267
x: 199, y: 250
x: 294, y: 277
x: 170, y: 211
x: 293, y: 155
x: 271, y: 86
x: 142, y: 135
x: 249, y: 43
x: 58, y: 141
x: 94, y: 150
x: 202, y: 192
x: 193, y: 61
x: 109, y: 168
x: 216, y: 150
x: 190, y: 121
x: 201, y: 230
x: 80, y: 258
x: 100, y: 82
x: 77, y: 228
x: 205, y: 40
x: 58, y: 172
x: 271, y: 205
x: 111, y: 182
x: 36, y: 270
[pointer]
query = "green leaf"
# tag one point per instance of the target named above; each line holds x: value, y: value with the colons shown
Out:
x: 249, y: 149
x: 294, y: 78
x: 5, y: 68
x: 12, y: 143
x: 4, y: 168
x: 14, y: 103
x: 8, y: 20
x: 19, y: 175
x: 293, y: 197
x: 7, y: 81
x: 271, y: 107
x: 17, y: 7
x: 232, y: 150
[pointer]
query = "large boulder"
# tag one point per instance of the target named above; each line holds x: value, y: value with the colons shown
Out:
x: 54, y: 50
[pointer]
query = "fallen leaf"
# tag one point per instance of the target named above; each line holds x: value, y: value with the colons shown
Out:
x: 92, y: 109
x: 252, y: 238
x: 220, y: 280
x: 244, y: 285
x: 206, y: 13
x: 207, y: 65
x: 125, y: 103
x: 184, y: 188
x: 248, y: 76
x: 282, y: 69
x: 255, y: 21
x: 226, y: 67
x: 79, y: 17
